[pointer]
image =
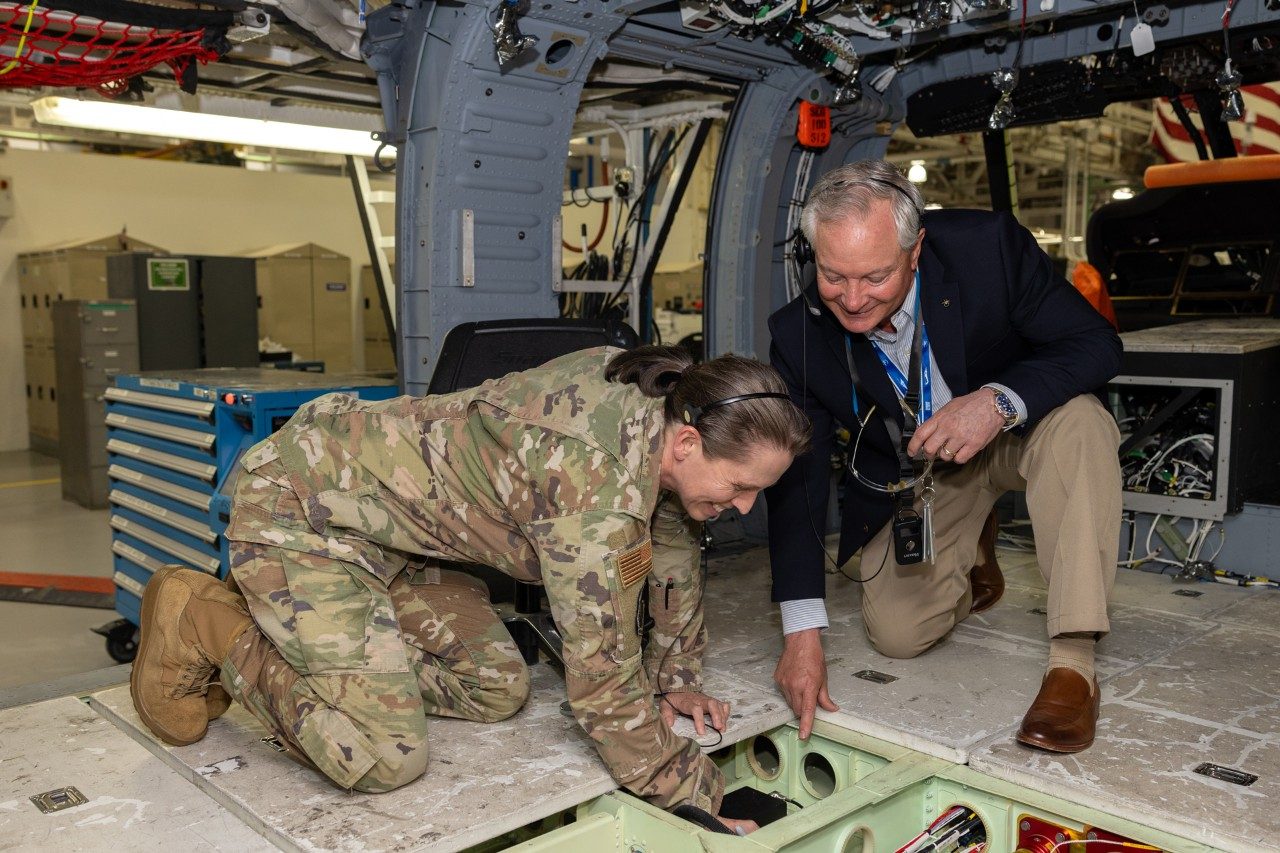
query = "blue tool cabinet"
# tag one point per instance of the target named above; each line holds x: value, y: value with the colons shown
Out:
x: 173, y: 440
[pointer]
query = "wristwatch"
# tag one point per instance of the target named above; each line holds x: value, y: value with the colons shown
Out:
x: 1005, y: 408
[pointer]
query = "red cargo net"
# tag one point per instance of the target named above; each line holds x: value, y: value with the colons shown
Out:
x: 44, y: 47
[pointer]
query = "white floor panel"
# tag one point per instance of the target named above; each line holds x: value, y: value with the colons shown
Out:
x: 482, y: 780
x: 134, y: 802
x: 1142, y: 767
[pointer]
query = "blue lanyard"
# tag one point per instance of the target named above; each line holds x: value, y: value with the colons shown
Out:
x: 896, y: 376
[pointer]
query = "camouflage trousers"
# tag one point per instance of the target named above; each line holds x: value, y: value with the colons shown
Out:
x: 344, y: 672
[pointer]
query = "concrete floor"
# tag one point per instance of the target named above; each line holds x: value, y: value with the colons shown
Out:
x: 42, y: 533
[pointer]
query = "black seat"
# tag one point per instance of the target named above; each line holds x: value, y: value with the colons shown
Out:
x: 475, y: 352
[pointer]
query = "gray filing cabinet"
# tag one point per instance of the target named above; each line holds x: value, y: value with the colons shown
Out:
x: 94, y: 342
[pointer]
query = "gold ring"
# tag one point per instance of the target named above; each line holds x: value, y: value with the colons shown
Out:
x: 948, y: 451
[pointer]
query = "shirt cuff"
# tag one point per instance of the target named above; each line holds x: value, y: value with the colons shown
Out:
x: 802, y: 614
x: 1013, y: 398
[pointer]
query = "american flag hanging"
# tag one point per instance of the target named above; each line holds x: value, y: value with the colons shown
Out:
x: 1258, y: 133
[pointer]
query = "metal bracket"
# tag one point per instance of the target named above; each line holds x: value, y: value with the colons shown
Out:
x: 1226, y: 774
x: 273, y: 742
x: 56, y: 801
x: 537, y: 630
x: 557, y: 253
x: 468, y: 248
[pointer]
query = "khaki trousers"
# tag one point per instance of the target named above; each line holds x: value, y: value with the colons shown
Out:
x: 1069, y: 468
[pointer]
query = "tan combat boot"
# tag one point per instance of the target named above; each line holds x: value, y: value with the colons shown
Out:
x: 216, y: 701
x: 189, y: 622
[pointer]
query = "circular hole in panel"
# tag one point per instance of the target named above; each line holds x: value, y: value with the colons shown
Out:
x: 764, y: 757
x: 1105, y: 32
x: 818, y: 775
x: 975, y: 834
x: 857, y: 840
x: 558, y: 52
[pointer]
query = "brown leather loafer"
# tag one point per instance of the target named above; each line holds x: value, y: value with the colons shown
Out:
x: 1064, y: 716
x: 985, y: 578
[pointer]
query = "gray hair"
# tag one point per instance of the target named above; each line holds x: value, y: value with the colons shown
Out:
x: 852, y: 188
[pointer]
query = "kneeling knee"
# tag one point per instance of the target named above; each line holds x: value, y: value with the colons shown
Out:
x: 902, y: 648
x: 1084, y: 415
x: 501, y: 697
x: 403, y: 759
x: 898, y: 642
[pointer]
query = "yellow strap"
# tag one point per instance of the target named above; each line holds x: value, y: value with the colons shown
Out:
x: 26, y: 28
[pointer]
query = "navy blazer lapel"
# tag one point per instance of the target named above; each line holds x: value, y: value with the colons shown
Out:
x: 832, y: 334
x: 940, y: 302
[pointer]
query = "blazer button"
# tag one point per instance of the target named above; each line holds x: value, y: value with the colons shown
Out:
x: 946, y: 303
x: 866, y: 529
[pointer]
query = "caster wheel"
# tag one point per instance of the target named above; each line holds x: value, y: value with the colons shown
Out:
x: 122, y: 643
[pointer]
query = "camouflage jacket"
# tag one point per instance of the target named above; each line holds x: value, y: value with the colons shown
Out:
x: 550, y: 476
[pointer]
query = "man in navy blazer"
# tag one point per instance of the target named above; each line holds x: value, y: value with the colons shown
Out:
x: 1013, y: 353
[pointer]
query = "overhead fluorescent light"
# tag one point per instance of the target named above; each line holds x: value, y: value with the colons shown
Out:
x: 1122, y: 193
x: 933, y: 205
x: 917, y: 174
x: 177, y: 124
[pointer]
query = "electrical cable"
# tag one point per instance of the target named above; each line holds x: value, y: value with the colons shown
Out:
x: 1132, y: 521
x: 795, y: 207
x: 653, y: 174
x: 804, y: 476
x: 635, y: 211
x: 745, y: 18
x: 1226, y: 25
x: 1131, y: 845
x: 604, y: 214
x: 662, y: 661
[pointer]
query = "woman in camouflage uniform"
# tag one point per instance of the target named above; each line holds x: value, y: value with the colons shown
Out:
x: 587, y: 475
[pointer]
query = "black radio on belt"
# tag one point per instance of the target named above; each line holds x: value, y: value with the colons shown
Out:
x: 908, y: 537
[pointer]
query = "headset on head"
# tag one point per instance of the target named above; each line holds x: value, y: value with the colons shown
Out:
x: 692, y: 414
x: 802, y: 250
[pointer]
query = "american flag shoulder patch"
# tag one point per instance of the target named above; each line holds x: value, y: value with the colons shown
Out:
x: 635, y: 563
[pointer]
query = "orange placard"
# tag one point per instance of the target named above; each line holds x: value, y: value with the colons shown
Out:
x: 813, y: 130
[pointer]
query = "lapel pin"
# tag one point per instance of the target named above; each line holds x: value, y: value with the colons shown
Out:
x: 946, y: 303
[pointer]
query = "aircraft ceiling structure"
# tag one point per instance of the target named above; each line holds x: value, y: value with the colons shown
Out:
x: 480, y: 99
